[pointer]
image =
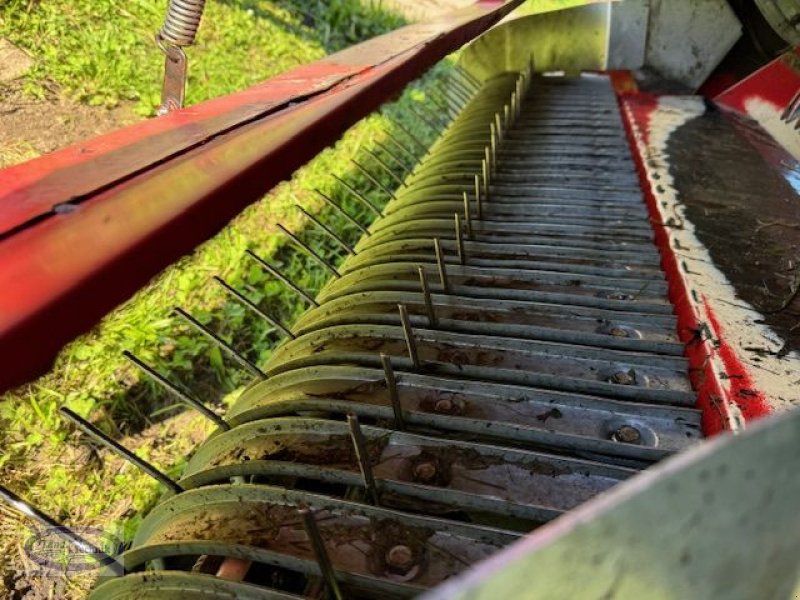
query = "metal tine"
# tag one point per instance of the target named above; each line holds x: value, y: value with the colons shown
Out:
x: 373, y: 179
x: 363, y: 199
x: 66, y: 533
x: 323, y: 560
x: 485, y: 173
x: 329, y: 201
x: 362, y: 456
x: 493, y: 143
x: 453, y: 96
x: 394, y: 395
x: 220, y: 343
x: 443, y: 120
x: 385, y: 167
x: 467, y: 215
x: 118, y: 449
x: 459, y: 240
x: 332, y: 234
x: 462, y: 94
x: 478, y: 199
x: 441, y: 101
x: 467, y: 86
x: 499, y: 126
x: 507, y: 114
x: 469, y: 76
x: 410, y: 135
x: 307, y: 249
x: 426, y: 295
x: 409, y: 335
x: 395, y: 158
x: 403, y: 148
x: 252, y: 306
x: 273, y: 271
x: 176, y: 391
x: 437, y: 248
x: 434, y: 125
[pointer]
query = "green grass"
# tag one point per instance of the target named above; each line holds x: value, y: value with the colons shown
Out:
x: 100, y: 53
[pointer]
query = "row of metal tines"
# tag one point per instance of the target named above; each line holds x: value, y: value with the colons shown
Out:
x: 496, y: 349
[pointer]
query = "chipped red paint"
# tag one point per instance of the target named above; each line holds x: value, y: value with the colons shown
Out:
x: 623, y: 82
x: 752, y: 402
x: 140, y: 198
x: 714, y: 397
x: 776, y: 83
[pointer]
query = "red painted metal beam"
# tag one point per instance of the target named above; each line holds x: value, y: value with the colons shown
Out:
x: 138, y: 199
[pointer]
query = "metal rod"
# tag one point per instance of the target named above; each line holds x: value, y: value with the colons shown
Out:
x: 506, y: 116
x: 469, y: 76
x: 493, y: 143
x: 499, y: 126
x: 462, y: 96
x: 399, y: 161
x: 280, y: 276
x: 468, y: 87
x: 437, y: 248
x: 478, y: 199
x: 329, y: 201
x: 402, y: 147
x: 426, y: 295
x: 387, y: 169
x: 459, y: 239
x: 359, y: 196
x: 66, y: 533
x: 410, y: 136
x: 442, y: 104
x: 373, y: 179
x: 177, y: 392
x: 436, y: 127
x: 307, y: 249
x: 394, y: 395
x: 331, y: 234
x: 241, y: 360
x: 362, y: 456
x: 467, y: 215
x: 409, y: 335
x: 252, y: 306
x: 485, y: 173
x: 321, y: 553
x: 101, y: 438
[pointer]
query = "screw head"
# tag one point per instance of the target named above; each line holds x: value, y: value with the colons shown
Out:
x: 627, y: 435
x: 425, y: 472
x: 623, y: 378
x: 618, y: 331
x: 400, y: 559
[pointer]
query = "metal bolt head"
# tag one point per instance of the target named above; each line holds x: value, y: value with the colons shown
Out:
x: 618, y: 331
x: 425, y: 472
x: 623, y: 378
x: 443, y: 406
x: 400, y: 559
x: 627, y: 435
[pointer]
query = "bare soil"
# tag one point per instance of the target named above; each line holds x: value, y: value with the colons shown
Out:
x: 31, y: 127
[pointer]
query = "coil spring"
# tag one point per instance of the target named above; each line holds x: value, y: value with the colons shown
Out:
x: 181, y: 23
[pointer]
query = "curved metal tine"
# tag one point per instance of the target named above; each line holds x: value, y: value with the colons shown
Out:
x: 394, y: 395
x: 215, y: 339
x: 321, y: 554
x: 467, y: 215
x: 177, y: 392
x: 493, y: 145
x: 404, y: 149
x: 452, y: 103
x: 459, y: 239
x: 485, y: 173
x: 307, y: 249
x: 426, y: 295
x: 362, y: 456
x: 411, y: 343
x: 410, y: 135
x: 478, y: 200
x: 387, y: 169
x: 442, y: 103
x: 499, y: 126
x: 461, y: 96
x: 359, y: 196
x: 252, y: 306
x: 395, y: 158
x: 66, y: 533
x: 329, y: 201
x: 118, y: 449
x: 281, y: 277
x: 373, y: 179
x: 506, y: 116
x: 437, y: 248
x: 467, y: 87
x: 332, y: 234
